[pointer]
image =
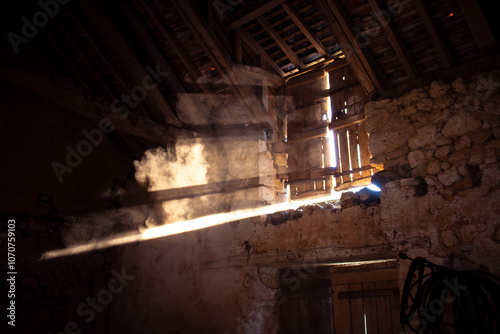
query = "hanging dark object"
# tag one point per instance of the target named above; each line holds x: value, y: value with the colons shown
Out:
x: 436, y: 299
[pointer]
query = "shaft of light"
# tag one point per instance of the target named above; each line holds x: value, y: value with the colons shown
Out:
x: 177, y: 228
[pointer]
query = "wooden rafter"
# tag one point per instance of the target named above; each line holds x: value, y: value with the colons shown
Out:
x: 282, y: 44
x: 177, y: 47
x: 306, y: 30
x: 350, y: 54
x: 345, y: 28
x: 260, y: 74
x: 253, y: 14
x: 121, y: 51
x: 63, y: 53
x: 477, y: 24
x: 159, y: 59
x: 62, y: 93
x: 222, y: 61
x: 395, y: 39
x: 237, y: 46
x: 443, y: 51
x: 84, y: 56
x: 250, y: 41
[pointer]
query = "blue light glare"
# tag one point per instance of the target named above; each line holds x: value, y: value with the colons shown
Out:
x: 374, y: 187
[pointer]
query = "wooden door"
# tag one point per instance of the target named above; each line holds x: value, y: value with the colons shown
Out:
x: 366, y: 302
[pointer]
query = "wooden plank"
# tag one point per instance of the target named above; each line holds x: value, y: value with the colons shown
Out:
x: 319, y: 173
x: 395, y: 308
x: 371, y: 66
x: 477, y: 24
x: 282, y: 44
x: 294, y: 315
x: 346, y: 122
x: 84, y: 55
x: 118, y: 47
x: 303, y: 315
x: 222, y: 61
x: 67, y: 96
x: 384, y: 310
x: 350, y: 55
x: 250, y: 41
x: 363, y: 147
x: 371, y: 310
x: 353, y: 151
x: 158, y: 58
x: 341, y: 309
x: 176, y: 46
x: 439, y: 43
x: 66, y: 58
x: 306, y: 30
x: 260, y: 74
x: 255, y: 13
x: 344, y: 154
x: 353, y: 184
x: 333, y: 91
x: 357, y: 311
x: 369, y: 293
x: 395, y: 39
x: 237, y: 47
x: 374, y: 275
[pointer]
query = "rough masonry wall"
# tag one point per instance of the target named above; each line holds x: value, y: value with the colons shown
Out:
x: 440, y: 200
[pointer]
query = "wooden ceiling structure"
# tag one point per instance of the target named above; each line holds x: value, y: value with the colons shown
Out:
x: 225, y: 62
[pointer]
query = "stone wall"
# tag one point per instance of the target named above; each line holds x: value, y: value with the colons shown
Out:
x: 440, y: 199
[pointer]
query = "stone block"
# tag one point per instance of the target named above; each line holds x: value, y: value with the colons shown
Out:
x: 416, y: 158
x: 442, y: 151
x: 459, y: 125
x: 447, y: 178
x: 425, y: 104
x: 459, y: 86
x: 438, y: 89
x: 462, y: 143
x: 424, y: 136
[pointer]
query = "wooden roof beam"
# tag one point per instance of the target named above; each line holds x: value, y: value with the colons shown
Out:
x: 158, y: 58
x: 477, y: 24
x: 63, y: 93
x: 121, y: 51
x: 443, y: 51
x: 250, y: 41
x: 351, y: 56
x: 176, y: 45
x: 308, y: 32
x: 252, y: 15
x: 370, y: 65
x: 222, y: 61
x: 281, y: 43
x: 395, y: 39
x: 260, y: 74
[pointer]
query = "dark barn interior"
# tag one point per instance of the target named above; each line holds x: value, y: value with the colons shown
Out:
x: 241, y: 166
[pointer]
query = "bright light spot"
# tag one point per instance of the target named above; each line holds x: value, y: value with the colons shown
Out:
x: 450, y: 15
x: 325, y: 117
x: 331, y: 144
x: 343, y: 78
x: 374, y: 187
